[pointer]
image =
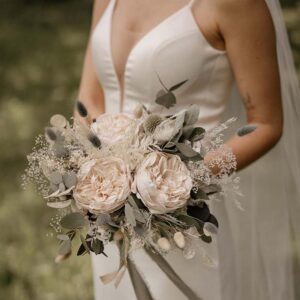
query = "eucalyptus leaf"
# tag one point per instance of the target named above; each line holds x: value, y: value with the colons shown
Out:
x: 167, y: 100
x: 72, y: 221
x: 192, y: 115
x: 97, y: 246
x: 55, y: 177
x: 186, y: 132
x: 200, y: 212
x: 103, y: 219
x: 197, y: 134
x: 169, y: 145
x: 212, y: 219
x: 160, y: 93
x: 187, y: 150
x: 81, y: 250
x: 206, y: 239
x: 65, y: 247
x: 59, y: 150
x: 61, y: 187
x: 199, y: 194
x: 69, y: 179
x: 134, y: 199
x: 190, y: 222
x: 178, y: 85
x: 212, y: 189
x: 130, y: 215
x: 139, y: 215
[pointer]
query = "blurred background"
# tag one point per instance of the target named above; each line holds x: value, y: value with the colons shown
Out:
x: 42, y: 44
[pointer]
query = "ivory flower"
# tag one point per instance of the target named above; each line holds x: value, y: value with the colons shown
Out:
x: 163, y: 182
x: 112, y: 128
x: 103, y: 185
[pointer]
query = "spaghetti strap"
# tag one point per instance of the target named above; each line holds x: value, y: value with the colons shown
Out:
x: 191, y: 3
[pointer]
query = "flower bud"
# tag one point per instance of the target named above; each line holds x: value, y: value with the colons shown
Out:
x: 164, y: 244
x: 179, y: 239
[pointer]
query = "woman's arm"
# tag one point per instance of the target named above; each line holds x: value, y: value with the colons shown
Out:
x: 90, y: 91
x: 247, y: 29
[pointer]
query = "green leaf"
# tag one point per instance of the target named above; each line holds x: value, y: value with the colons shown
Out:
x: 199, y: 194
x: 212, y: 189
x: 160, y: 93
x: 192, y: 115
x: 178, y: 85
x: 197, y: 134
x: 55, y: 177
x: 134, y: 200
x: 206, y: 239
x: 187, y: 151
x: 70, y: 179
x: 103, y: 219
x: 130, y: 215
x: 72, y: 221
x: 167, y: 100
x: 186, y: 132
x: 81, y: 250
x: 190, y: 222
x: 97, y: 246
x: 65, y: 247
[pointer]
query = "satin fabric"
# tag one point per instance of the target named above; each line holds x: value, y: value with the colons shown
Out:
x: 175, y: 50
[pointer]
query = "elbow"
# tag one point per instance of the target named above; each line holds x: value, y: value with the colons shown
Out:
x: 277, y: 133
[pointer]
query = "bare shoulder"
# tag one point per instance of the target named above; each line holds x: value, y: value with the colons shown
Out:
x: 231, y: 13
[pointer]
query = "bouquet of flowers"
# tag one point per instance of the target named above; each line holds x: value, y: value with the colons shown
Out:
x: 137, y: 180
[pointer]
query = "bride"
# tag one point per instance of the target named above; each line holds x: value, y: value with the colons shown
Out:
x: 227, y: 51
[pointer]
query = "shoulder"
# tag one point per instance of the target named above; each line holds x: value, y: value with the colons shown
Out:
x: 241, y: 8
x: 235, y: 16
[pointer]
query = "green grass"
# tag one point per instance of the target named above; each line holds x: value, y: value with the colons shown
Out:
x: 42, y: 45
x: 42, y: 48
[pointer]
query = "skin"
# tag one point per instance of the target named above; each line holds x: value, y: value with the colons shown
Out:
x: 243, y: 27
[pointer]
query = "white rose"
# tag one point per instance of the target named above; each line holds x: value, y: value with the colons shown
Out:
x: 103, y: 185
x: 163, y: 182
x: 112, y: 128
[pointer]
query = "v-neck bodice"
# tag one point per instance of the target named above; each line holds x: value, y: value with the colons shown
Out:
x: 174, y: 50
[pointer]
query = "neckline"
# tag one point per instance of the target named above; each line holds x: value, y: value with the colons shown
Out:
x: 122, y: 90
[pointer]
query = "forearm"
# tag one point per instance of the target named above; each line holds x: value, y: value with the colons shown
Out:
x: 90, y: 91
x: 248, y: 148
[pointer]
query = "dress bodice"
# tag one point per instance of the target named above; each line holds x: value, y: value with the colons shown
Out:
x: 173, y: 51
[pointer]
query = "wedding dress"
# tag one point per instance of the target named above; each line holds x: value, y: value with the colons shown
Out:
x: 176, y: 50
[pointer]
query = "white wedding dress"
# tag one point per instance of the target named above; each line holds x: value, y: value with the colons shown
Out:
x: 176, y: 50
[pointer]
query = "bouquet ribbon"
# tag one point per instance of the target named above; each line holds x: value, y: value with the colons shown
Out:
x: 141, y: 289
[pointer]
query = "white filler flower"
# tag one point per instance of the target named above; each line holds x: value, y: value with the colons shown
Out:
x: 103, y: 185
x: 163, y: 182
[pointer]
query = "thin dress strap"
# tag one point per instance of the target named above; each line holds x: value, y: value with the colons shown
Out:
x: 191, y: 3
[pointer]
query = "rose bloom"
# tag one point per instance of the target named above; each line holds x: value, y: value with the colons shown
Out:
x: 103, y: 185
x: 112, y: 128
x: 163, y: 182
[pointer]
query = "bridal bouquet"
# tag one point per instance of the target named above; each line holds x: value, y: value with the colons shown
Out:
x: 137, y: 180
